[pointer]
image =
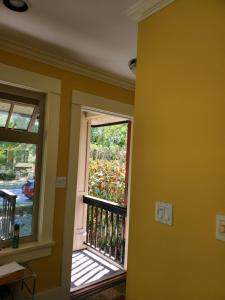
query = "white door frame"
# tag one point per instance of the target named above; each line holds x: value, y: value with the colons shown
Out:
x: 81, y: 100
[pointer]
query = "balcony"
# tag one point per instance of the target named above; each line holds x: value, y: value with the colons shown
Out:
x: 89, y: 268
x: 100, y: 224
x: 103, y: 256
x: 105, y: 230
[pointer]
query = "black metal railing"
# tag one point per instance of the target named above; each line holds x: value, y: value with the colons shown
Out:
x: 106, y: 227
x: 7, y: 214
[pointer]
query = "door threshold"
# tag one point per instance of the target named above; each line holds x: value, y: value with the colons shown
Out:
x: 90, y: 289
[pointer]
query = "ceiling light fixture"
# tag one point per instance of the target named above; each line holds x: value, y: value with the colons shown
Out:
x: 16, y: 5
x: 132, y: 65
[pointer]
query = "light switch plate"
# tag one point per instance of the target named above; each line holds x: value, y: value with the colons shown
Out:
x: 164, y: 213
x: 60, y: 182
x: 220, y: 227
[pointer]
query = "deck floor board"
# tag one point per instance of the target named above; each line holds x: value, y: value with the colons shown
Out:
x: 88, y: 268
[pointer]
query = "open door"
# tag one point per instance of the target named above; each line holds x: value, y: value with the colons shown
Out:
x: 100, y: 227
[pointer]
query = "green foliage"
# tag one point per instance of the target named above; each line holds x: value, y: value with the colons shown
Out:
x: 3, y: 157
x: 108, y: 162
x: 99, y: 152
x: 107, y: 136
x: 19, y: 121
x: 11, y: 152
x: 8, y: 176
x: 109, y: 142
x: 3, y: 118
x: 107, y: 180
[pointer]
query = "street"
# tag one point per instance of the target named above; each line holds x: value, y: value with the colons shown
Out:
x: 18, y: 191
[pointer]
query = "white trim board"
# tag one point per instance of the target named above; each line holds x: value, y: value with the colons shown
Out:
x: 101, y: 104
x: 26, y: 252
x: 52, y: 88
x: 81, y: 101
x: 145, y: 8
x: 63, y: 62
x: 28, y: 80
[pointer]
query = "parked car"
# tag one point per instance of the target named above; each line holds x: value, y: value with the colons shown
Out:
x: 28, y: 188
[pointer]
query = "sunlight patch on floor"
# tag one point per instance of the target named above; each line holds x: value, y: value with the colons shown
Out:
x: 88, y: 268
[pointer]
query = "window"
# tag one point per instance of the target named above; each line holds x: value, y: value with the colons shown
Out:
x: 21, y: 135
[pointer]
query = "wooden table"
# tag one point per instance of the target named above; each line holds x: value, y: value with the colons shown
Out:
x: 23, y: 278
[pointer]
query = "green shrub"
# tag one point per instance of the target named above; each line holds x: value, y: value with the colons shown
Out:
x: 107, y: 180
x: 8, y: 176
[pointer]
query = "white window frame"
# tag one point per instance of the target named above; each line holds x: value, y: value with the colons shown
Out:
x: 52, y: 88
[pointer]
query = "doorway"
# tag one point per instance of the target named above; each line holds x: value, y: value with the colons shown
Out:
x: 100, y: 226
x: 84, y: 101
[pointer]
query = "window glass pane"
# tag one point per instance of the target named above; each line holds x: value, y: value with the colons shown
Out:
x: 4, y: 111
x: 21, y: 117
x: 35, y: 126
x: 17, y: 175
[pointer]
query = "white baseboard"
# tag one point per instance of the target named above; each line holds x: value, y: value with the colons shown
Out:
x: 52, y: 294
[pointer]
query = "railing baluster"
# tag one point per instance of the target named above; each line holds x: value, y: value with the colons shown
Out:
x: 4, y: 221
x: 96, y: 227
x: 3, y: 225
x: 13, y: 214
x: 7, y: 214
x: 87, y: 224
x: 101, y: 229
x: 111, y: 234
x: 122, y: 252
x: 106, y: 231
x: 106, y: 227
x: 91, y: 226
x: 1, y: 213
x: 117, y: 236
x: 7, y: 218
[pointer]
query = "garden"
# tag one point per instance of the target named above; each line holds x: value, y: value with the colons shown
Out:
x: 107, y: 164
x: 107, y: 181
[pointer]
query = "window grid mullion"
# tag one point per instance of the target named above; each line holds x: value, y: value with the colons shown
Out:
x: 9, y: 115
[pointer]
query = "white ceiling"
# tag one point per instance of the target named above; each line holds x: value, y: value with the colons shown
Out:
x: 93, y: 32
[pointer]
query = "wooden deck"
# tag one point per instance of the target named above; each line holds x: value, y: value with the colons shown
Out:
x: 88, y: 269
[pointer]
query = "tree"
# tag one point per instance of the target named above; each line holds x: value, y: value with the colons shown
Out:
x: 106, y: 136
x: 107, y: 165
x: 109, y: 142
x: 11, y: 152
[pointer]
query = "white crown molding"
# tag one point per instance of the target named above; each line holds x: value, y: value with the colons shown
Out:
x: 64, y: 63
x: 145, y: 8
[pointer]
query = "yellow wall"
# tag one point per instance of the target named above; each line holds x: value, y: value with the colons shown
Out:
x: 179, y: 154
x: 48, y: 269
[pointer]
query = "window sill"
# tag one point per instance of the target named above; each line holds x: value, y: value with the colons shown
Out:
x: 26, y: 252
